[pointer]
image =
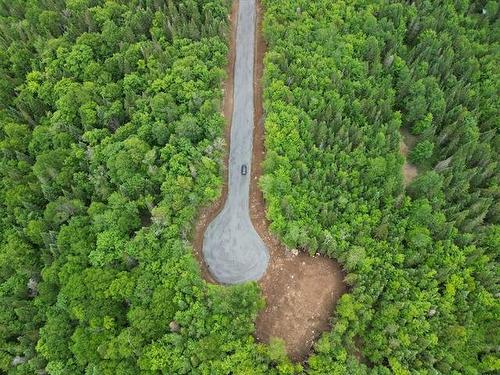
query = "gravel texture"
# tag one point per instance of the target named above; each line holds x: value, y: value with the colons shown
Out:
x: 233, y: 250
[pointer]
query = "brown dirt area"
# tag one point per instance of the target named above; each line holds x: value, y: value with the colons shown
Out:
x: 300, y: 291
x: 408, y: 140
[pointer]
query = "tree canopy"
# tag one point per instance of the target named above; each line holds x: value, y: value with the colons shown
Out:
x: 342, y: 78
x: 111, y: 140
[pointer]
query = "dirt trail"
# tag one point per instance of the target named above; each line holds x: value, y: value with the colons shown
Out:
x: 300, y: 291
x: 408, y: 141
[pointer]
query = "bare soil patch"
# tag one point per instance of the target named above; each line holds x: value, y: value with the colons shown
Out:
x: 408, y: 141
x: 300, y: 291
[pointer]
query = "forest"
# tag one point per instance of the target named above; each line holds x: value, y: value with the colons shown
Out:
x: 112, y: 139
x: 342, y: 79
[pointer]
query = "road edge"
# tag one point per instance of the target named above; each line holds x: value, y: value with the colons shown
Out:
x: 208, y: 213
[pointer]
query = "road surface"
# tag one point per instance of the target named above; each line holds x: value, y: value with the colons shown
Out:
x: 232, y: 249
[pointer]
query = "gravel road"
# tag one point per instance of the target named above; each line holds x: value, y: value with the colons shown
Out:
x: 232, y: 249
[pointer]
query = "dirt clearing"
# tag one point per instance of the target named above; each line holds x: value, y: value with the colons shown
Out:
x: 408, y: 141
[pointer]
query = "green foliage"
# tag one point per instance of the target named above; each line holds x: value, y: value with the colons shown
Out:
x: 110, y: 142
x: 341, y: 79
x: 422, y: 152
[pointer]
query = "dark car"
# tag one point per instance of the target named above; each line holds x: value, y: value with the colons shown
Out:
x: 244, y: 169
